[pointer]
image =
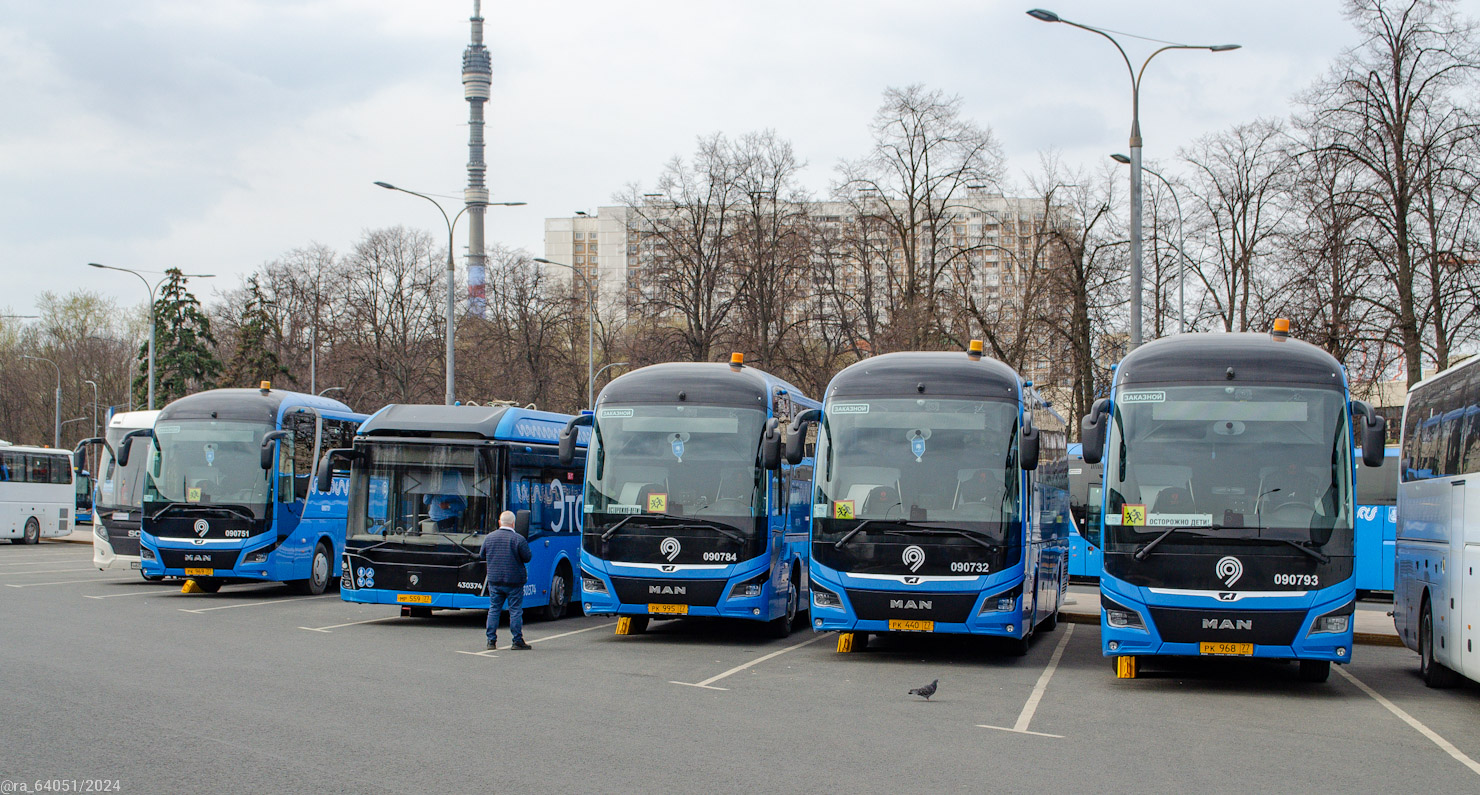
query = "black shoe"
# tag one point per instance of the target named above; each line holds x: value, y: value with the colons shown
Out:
x: 492, y: 645
x: 521, y: 646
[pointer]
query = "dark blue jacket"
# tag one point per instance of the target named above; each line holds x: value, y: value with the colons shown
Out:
x: 506, y: 552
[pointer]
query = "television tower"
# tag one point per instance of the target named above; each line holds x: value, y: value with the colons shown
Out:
x: 477, y: 75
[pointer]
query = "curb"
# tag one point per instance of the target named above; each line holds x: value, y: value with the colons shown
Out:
x: 1361, y: 638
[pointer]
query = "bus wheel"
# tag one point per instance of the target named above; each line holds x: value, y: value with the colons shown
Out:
x: 559, y: 594
x: 1314, y: 670
x: 33, y: 532
x: 1433, y: 672
x: 781, y: 627
x: 318, y: 574
x: 1018, y: 647
x: 208, y: 584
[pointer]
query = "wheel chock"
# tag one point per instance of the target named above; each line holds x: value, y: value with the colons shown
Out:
x: 845, y: 642
x: 191, y: 587
x: 1125, y: 667
x: 624, y: 625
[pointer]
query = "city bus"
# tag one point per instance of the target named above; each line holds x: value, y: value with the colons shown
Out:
x: 82, y: 492
x: 427, y: 483
x: 1085, y: 484
x: 941, y: 502
x: 689, y: 508
x: 36, y: 493
x: 227, y: 488
x: 1228, y: 501
x: 1377, y: 524
x: 120, y: 493
x: 1436, y: 588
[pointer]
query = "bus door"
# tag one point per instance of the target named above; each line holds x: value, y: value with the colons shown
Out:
x: 297, y: 454
x: 551, y: 492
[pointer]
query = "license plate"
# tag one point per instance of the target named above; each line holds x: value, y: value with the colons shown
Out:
x: 135, y: 565
x: 414, y: 598
x: 910, y: 625
x: 1236, y: 649
x: 672, y: 610
x: 199, y: 572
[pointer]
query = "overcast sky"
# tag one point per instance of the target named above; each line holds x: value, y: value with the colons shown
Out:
x: 215, y: 136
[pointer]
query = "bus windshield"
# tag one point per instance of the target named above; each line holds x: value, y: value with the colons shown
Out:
x: 1219, y: 464
x: 695, y: 461
x: 207, y: 463
x: 423, y: 488
x: 919, y: 460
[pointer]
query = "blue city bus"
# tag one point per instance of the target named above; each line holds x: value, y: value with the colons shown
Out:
x: 1228, y: 501
x: 1377, y: 524
x: 941, y: 505
x: 1085, y: 485
x: 427, y: 483
x: 689, y: 508
x: 226, y: 488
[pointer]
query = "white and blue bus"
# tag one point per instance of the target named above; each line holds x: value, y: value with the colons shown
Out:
x: 427, y: 483
x: 941, y: 506
x: 1228, y: 501
x: 1436, y: 589
x: 120, y: 492
x: 689, y: 508
x: 37, y: 497
x: 227, y: 488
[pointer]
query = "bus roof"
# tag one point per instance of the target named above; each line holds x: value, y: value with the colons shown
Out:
x: 700, y: 383
x: 941, y: 373
x: 253, y: 405
x: 133, y: 420
x: 27, y: 448
x: 1207, y: 358
x: 1428, y: 382
x: 501, y: 423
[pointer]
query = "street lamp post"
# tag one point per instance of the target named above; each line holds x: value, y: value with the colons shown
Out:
x: 451, y: 266
x: 153, y: 322
x: 327, y: 390
x: 56, y: 436
x: 608, y: 367
x: 590, y: 329
x: 1135, y: 144
x: 1181, y: 244
x: 95, y: 405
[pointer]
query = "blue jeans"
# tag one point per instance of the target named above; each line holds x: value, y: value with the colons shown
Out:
x: 498, y: 595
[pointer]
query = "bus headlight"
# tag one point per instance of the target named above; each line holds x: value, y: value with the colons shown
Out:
x: 1335, y: 622
x: 1004, y: 602
x: 1121, y: 617
x: 591, y: 584
x: 257, y: 557
x: 750, y: 588
x: 100, y: 531
x: 821, y: 597
x: 146, y: 553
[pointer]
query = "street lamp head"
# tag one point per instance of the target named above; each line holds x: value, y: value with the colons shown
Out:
x: 1120, y: 158
x: 1225, y: 47
x: 1043, y: 15
x: 96, y: 265
x: 507, y: 204
x: 386, y: 185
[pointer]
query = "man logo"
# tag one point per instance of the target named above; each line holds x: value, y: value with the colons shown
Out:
x: 1229, y: 569
x: 910, y: 604
x: 668, y: 590
x: 914, y: 557
x: 202, y: 527
x: 1225, y: 623
x: 669, y: 547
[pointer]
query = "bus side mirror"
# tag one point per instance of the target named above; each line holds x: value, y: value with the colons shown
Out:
x: 1028, y: 448
x: 267, y: 448
x: 1092, y: 431
x: 771, y: 445
x: 125, y: 444
x: 324, y: 477
x: 521, y: 523
x: 796, y: 435
x: 1374, y: 433
x: 79, y: 453
x: 569, y: 435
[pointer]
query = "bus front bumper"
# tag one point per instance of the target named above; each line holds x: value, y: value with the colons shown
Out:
x: 742, y: 590
x: 992, y: 605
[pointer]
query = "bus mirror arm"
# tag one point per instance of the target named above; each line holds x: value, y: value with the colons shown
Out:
x: 771, y: 445
x: 569, y: 435
x: 1374, y: 433
x: 796, y: 435
x: 323, y: 479
x: 125, y: 445
x: 1092, y: 432
x: 79, y: 453
x: 267, y: 440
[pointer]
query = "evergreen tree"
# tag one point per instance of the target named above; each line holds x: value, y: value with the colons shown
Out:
x: 253, y: 360
x: 184, y: 357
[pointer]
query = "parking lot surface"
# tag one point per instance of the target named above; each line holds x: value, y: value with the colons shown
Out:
x: 106, y: 677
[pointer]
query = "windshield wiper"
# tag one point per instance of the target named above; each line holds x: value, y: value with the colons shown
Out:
x: 1151, y: 545
x: 227, y: 508
x: 715, y: 526
x: 1301, y: 545
x: 944, y: 531
x: 848, y: 536
x: 611, y: 531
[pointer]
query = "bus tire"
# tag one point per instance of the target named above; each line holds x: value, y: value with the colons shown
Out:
x: 1314, y: 670
x: 1434, y: 673
x: 559, y: 593
x: 1018, y: 647
x: 318, y: 573
x: 208, y: 584
x: 33, y: 532
x: 781, y: 627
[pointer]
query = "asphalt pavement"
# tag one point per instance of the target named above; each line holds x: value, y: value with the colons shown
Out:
x: 257, y: 689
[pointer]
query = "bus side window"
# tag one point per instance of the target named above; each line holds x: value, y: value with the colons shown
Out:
x: 304, y: 427
x: 1470, y: 458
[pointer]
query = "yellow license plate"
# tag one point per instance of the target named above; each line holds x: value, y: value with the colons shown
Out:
x: 1235, y: 649
x: 673, y: 610
x: 414, y: 598
x: 199, y: 572
x: 910, y: 625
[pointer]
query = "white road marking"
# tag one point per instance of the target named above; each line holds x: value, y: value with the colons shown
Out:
x: 58, y: 582
x: 46, y: 571
x: 572, y: 632
x: 1026, y: 716
x: 1433, y: 736
x: 259, y: 604
x: 757, y: 661
x: 42, y: 561
x: 130, y: 593
x: 489, y: 653
x: 351, y: 624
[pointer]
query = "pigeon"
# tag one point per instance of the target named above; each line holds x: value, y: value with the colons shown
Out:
x: 927, y: 691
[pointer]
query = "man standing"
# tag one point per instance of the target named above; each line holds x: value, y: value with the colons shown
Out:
x: 506, y: 552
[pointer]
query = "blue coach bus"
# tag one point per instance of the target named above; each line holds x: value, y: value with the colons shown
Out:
x: 689, y: 508
x: 1228, y: 501
x: 226, y: 489
x: 428, y: 482
x: 1085, y: 495
x: 940, y: 505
